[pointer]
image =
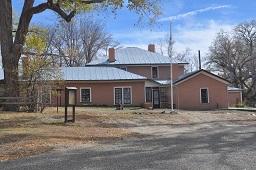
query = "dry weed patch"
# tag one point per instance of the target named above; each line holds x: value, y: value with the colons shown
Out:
x: 26, y: 134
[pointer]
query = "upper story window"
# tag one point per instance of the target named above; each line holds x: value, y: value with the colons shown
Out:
x: 154, y: 72
x: 204, y: 95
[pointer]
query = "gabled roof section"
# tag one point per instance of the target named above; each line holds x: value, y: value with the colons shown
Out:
x: 187, y: 76
x: 135, y: 56
x: 98, y: 73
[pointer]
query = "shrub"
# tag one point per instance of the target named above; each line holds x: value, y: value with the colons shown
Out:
x: 240, y: 105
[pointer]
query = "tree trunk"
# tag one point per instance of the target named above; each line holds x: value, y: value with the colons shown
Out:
x: 9, y: 54
x: 11, y: 83
x: 11, y: 48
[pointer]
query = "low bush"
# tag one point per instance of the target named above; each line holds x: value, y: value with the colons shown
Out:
x: 240, y: 105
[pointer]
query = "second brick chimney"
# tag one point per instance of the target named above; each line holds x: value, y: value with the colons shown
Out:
x: 111, y: 55
x: 151, y: 48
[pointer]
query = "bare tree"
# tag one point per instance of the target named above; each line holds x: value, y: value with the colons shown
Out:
x: 166, y: 47
x: 79, y: 41
x: 94, y: 38
x: 234, y: 54
x: 187, y: 57
x: 162, y: 45
x: 67, y: 43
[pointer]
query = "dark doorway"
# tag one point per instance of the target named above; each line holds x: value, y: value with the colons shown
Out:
x: 156, y: 99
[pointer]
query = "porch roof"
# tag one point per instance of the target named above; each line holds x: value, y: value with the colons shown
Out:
x: 163, y: 81
x: 234, y: 89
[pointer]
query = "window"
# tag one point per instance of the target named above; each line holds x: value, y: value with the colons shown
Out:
x: 148, y: 94
x: 127, y: 95
x: 85, y: 95
x: 154, y: 72
x: 123, y: 95
x: 204, y: 96
x: 118, y: 95
x: 123, y: 68
x: 163, y: 94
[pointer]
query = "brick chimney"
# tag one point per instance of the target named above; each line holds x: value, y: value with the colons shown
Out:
x: 111, y: 55
x: 151, y: 48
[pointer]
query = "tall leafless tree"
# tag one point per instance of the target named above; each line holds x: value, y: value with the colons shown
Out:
x: 234, y: 54
x: 164, y: 47
x: 78, y: 42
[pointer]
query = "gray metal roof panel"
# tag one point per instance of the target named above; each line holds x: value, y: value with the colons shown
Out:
x: 186, y: 75
x: 163, y: 82
x: 98, y: 73
x: 94, y: 73
x: 234, y: 89
x: 134, y: 56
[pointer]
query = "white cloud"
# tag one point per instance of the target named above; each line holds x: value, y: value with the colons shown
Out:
x: 181, y: 16
x: 137, y: 38
x: 200, y: 37
x: 196, y: 37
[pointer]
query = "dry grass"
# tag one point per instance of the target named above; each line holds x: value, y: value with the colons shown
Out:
x: 26, y: 134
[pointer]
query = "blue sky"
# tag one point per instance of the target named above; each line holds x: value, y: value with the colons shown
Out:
x: 194, y: 22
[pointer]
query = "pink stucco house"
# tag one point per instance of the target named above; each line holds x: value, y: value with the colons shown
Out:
x: 137, y: 77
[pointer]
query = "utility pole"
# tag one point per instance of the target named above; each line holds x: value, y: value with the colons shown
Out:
x: 170, y: 55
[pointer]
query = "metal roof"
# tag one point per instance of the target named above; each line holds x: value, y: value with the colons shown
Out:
x: 135, y: 56
x: 186, y: 75
x: 234, y: 89
x: 98, y: 73
x: 163, y: 81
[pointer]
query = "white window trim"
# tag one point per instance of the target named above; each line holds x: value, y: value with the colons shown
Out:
x: 81, y: 94
x: 157, y: 71
x: 122, y: 87
x: 208, y: 94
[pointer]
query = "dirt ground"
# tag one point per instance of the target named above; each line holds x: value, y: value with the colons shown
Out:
x: 26, y: 134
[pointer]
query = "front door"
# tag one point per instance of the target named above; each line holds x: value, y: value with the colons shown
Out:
x: 156, y: 100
